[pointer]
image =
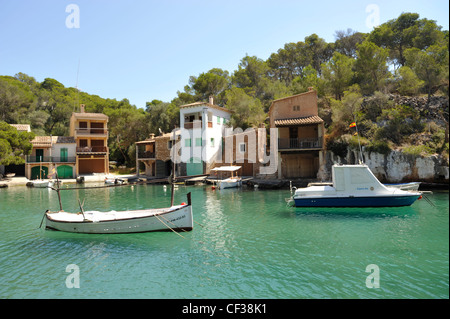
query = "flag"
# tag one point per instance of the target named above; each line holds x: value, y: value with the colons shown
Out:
x: 352, y: 124
x: 52, y: 173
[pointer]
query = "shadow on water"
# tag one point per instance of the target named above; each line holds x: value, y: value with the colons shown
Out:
x: 352, y: 212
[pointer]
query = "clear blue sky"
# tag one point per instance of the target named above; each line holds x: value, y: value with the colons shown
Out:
x: 145, y: 50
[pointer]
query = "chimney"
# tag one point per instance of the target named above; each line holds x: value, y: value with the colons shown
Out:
x: 152, y: 136
x: 82, y: 108
x: 211, y: 99
x: 310, y: 89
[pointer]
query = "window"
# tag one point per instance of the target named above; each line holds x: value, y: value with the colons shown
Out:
x: 198, y: 141
x: 242, y: 147
x: 212, y: 141
x: 187, y: 142
x: 296, y: 107
x: 218, y: 120
x: 169, y: 144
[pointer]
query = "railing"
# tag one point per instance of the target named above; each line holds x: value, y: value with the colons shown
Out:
x: 92, y: 149
x: 67, y: 159
x: 146, y: 154
x: 50, y: 159
x: 299, y: 143
x: 196, y: 124
x: 97, y: 131
x: 190, y: 125
x: 39, y: 159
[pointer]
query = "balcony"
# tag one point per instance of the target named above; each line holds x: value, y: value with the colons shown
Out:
x: 91, y: 131
x: 147, y: 154
x: 196, y: 124
x: 39, y: 159
x: 50, y: 159
x: 299, y: 143
x: 92, y: 149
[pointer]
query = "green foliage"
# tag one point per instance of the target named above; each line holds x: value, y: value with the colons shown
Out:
x: 338, y: 74
x: 417, y: 150
x: 378, y: 146
x: 401, y: 121
x: 13, y: 144
x: 338, y: 146
x: 247, y: 111
x: 371, y: 67
x: 408, y: 82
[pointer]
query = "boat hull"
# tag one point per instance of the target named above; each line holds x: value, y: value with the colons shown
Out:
x: 229, y: 185
x: 174, y: 218
x: 366, y: 201
x: 41, y: 184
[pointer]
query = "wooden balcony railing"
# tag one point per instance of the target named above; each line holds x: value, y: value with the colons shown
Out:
x: 92, y: 149
x: 196, y: 124
x: 299, y: 143
x: 89, y: 131
x: 147, y: 154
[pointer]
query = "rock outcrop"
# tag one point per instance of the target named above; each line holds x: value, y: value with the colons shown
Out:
x: 395, y: 167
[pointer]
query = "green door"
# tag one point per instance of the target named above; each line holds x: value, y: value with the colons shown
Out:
x: 65, y: 171
x: 35, y: 172
x: 194, y: 167
x: 63, y: 154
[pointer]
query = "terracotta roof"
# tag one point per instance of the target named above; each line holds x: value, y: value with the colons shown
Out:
x: 97, y: 116
x: 22, y: 127
x: 206, y: 104
x: 299, y: 121
x: 42, y: 141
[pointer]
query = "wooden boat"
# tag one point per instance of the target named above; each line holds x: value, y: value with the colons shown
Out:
x: 174, y: 218
x: 40, y: 183
x: 230, y: 182
x: 353, y: 186
x: 178, y: 217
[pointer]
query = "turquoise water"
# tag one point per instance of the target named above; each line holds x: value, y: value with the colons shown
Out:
x: 249, y: 245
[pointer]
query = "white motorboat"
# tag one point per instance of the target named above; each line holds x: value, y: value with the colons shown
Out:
x: 353, y: 186
x: 233, y: 181
x: 178, y: 217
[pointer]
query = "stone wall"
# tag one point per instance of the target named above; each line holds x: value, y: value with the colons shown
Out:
x: 395, y: 167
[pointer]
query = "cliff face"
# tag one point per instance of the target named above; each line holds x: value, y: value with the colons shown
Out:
x: 395, y: 167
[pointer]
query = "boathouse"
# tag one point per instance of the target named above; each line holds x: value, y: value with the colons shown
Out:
x: 301, y: 146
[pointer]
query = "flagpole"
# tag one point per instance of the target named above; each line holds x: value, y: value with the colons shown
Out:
x: 359, y: 143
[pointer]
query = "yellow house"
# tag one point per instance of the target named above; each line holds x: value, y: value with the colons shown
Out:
x: 90, y: 131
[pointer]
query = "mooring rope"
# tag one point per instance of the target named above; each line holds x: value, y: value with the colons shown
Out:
x: 156, y: 215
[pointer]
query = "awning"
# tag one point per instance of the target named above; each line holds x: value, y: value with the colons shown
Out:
x: 299, y: 121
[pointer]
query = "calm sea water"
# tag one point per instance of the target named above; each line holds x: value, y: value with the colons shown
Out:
x: 249, y: 245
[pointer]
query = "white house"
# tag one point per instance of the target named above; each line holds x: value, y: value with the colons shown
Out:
x: 48, y: 152
x: 202, y: 126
